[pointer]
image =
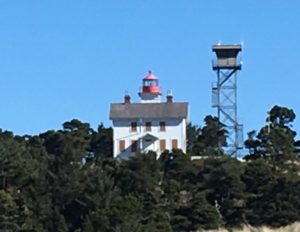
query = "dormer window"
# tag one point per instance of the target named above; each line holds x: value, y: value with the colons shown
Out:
x: 162, y: 126
x: 148, y: 126
x: 133, y: 126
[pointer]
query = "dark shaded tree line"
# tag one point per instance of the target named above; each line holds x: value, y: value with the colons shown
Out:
x: 67, y: 180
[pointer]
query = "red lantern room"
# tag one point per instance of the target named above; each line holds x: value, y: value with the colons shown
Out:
x: 150, y: 84
x: 150, y: 89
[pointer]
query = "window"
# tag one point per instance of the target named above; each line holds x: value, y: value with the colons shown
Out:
x: 133, y: 146
x: 122, y: 145
x: 133, y: 126
x: 174, y: 144
x: 148, y: 126
x: 162, y: 144
x: 162, y: 126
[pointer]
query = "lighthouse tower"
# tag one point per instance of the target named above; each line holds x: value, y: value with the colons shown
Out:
x: 150, y: 91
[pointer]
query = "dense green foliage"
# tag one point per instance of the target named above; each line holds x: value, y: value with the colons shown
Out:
x: 67, y: 180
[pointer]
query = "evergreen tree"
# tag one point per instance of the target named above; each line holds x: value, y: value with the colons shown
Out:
x: 101, y: 144
x: 275, y: 141
x: 223, y: 185
x: 207, y: 140
x: 197, y: 215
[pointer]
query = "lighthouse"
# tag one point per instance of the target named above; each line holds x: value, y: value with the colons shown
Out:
x: 150, y: 91
x: 148, y: 125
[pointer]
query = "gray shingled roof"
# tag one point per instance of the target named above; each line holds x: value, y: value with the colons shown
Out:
x: 148, y: 110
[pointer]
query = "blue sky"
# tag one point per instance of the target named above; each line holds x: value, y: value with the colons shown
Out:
x: 62, y: 59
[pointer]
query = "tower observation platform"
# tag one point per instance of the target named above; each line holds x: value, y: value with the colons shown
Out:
x: 226, y: 57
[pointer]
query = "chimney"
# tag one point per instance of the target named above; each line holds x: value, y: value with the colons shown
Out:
x: 126, y: 98
x: 169, y: 97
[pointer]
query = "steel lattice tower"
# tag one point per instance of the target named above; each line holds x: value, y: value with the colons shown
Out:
x: 224, y: 94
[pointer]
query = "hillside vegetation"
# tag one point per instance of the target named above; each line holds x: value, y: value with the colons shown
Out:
x: 295, y: 227
x: 67, y: 180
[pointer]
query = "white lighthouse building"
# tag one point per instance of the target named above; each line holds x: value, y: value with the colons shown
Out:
x: 150, y: 124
